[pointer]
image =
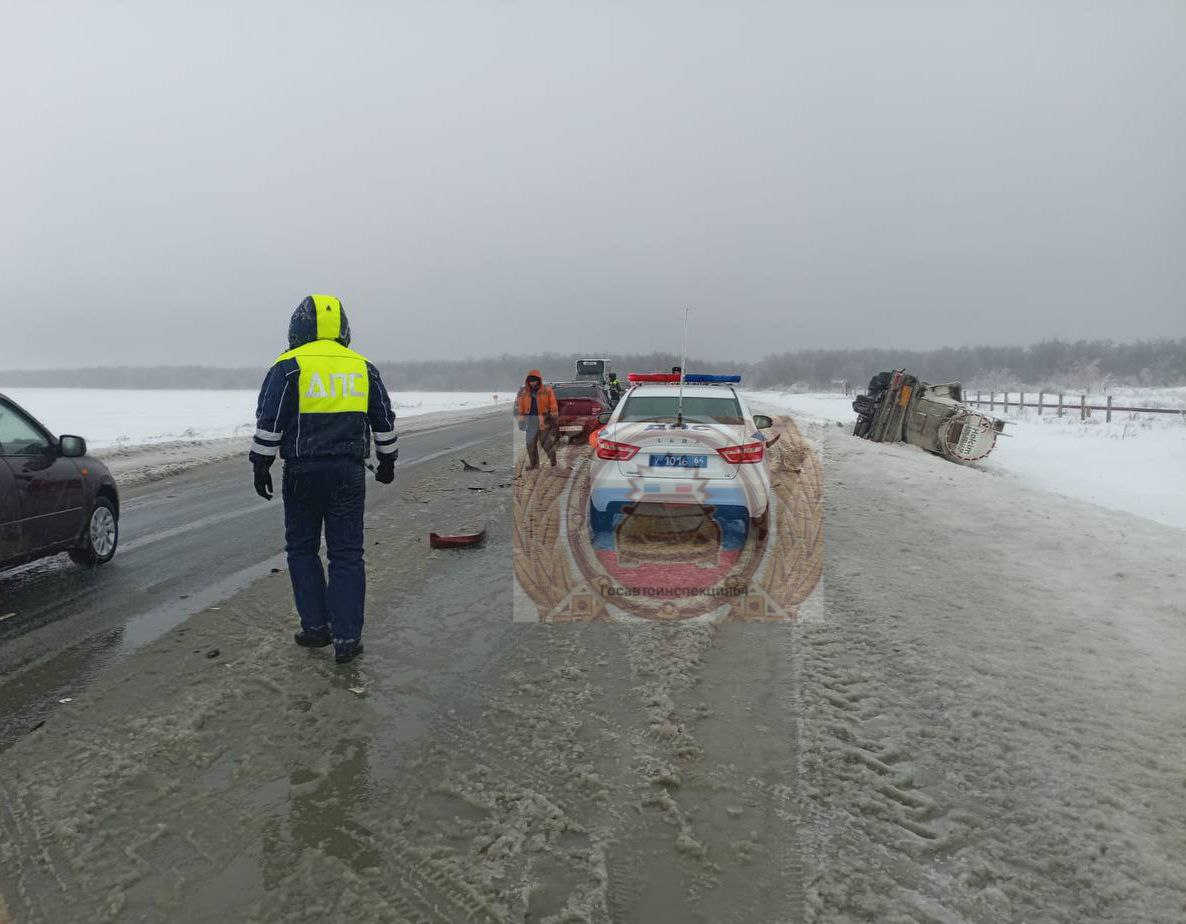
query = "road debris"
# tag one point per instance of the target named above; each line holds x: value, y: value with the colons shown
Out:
x: 467, y: 537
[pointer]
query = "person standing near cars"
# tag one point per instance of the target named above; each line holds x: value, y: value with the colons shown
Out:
x: 538, y: 415
x: 614, y: 387
x: 319, y: 407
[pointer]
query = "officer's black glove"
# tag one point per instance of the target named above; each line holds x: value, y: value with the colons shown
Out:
x: 385, y: 471
x: 263, y: 478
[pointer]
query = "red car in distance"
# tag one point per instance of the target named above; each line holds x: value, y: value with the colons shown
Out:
x: 580, y: 404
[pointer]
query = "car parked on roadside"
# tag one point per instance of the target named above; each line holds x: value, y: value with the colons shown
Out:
x: 705, y: 451
x: 54, y: 498
x: 580, y: 404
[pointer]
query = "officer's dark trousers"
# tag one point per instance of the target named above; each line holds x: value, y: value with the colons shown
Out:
x: 330, y: 492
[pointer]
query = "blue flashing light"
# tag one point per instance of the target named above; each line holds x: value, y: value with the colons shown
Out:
x: 701, y: 379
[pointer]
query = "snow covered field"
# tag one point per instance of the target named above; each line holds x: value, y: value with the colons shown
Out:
x: 129, y: 417
x: 1137, y: 463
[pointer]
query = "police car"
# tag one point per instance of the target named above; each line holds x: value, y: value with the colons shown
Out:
x: 673, y: 445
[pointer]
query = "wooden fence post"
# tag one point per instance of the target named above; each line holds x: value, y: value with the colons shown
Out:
x: 1060, y: 404
x: 978, y: 402
x: 991, y: 401
x: 1040, y: 394
x: 1021, y: 402
x: 1083, y: 407
x: 1109, y: 417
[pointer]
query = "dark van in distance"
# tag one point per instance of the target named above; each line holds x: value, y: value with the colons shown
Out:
x: 53, y: 497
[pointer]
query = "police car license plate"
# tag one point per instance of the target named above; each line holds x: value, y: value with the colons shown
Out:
x: 670, y: 460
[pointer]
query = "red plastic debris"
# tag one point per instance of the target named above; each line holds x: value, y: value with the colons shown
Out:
x: 457, y: 540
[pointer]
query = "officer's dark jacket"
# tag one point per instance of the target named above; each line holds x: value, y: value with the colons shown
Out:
x: 321, y: 399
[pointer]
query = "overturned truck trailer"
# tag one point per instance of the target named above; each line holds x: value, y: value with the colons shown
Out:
x: 899, y: 408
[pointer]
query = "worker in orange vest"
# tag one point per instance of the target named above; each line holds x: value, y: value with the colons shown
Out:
x: 538, y: 416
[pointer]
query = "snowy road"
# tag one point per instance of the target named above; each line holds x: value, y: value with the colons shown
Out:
x: 982, y: 720
x: 186, y: 543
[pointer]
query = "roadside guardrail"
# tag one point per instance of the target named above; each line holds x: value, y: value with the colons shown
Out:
x: 1061, y: 406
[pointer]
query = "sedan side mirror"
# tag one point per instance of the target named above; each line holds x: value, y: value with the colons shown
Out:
x: 762, y: 422
x: 603, y: 419
x: 71, y: 447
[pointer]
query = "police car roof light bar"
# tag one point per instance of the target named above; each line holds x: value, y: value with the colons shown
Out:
x: 692, y: 378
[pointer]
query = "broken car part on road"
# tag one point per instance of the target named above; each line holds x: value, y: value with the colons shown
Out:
x: 457, y: 540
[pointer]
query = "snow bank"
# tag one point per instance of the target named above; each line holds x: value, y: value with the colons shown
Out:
x: 1136, y: 463
x: 130, y: 417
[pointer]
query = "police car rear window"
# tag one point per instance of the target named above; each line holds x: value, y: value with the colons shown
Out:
x: 697, y: 409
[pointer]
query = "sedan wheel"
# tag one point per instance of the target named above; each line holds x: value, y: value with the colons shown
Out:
x: 102, y: 536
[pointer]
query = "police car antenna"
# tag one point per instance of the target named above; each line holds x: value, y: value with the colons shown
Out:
x: 679, y: 417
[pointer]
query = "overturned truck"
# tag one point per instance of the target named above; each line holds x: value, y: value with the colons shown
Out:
x: 899, y: 408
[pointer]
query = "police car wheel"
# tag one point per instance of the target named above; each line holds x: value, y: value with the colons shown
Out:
x: 100, y: 538
x: 761, y: 525
x: 599, y: 522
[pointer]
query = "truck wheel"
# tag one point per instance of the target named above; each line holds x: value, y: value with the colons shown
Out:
x: 101, y: 536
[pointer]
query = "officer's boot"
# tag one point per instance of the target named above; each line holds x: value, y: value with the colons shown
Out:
x: 308, y: 639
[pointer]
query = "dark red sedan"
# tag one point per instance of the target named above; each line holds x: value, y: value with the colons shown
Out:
x: 580, y: 403
x: 53, y: 496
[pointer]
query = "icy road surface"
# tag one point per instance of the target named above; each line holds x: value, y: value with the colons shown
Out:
x: 983, y: 721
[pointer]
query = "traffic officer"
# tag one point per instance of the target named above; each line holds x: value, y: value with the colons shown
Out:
x: 319, y: 407
x: 615, y: 388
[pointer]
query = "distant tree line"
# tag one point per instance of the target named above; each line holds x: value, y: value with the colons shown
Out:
x: 1090, y: 365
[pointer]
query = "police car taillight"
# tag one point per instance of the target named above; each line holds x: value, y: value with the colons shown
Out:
x: 621, y: 452
x: 745, y: 453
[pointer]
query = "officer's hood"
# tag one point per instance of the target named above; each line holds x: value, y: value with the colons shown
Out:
x: 537, y: 374
x: 318, y: 317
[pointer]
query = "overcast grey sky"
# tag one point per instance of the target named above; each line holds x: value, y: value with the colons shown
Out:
x: 482, y: 177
